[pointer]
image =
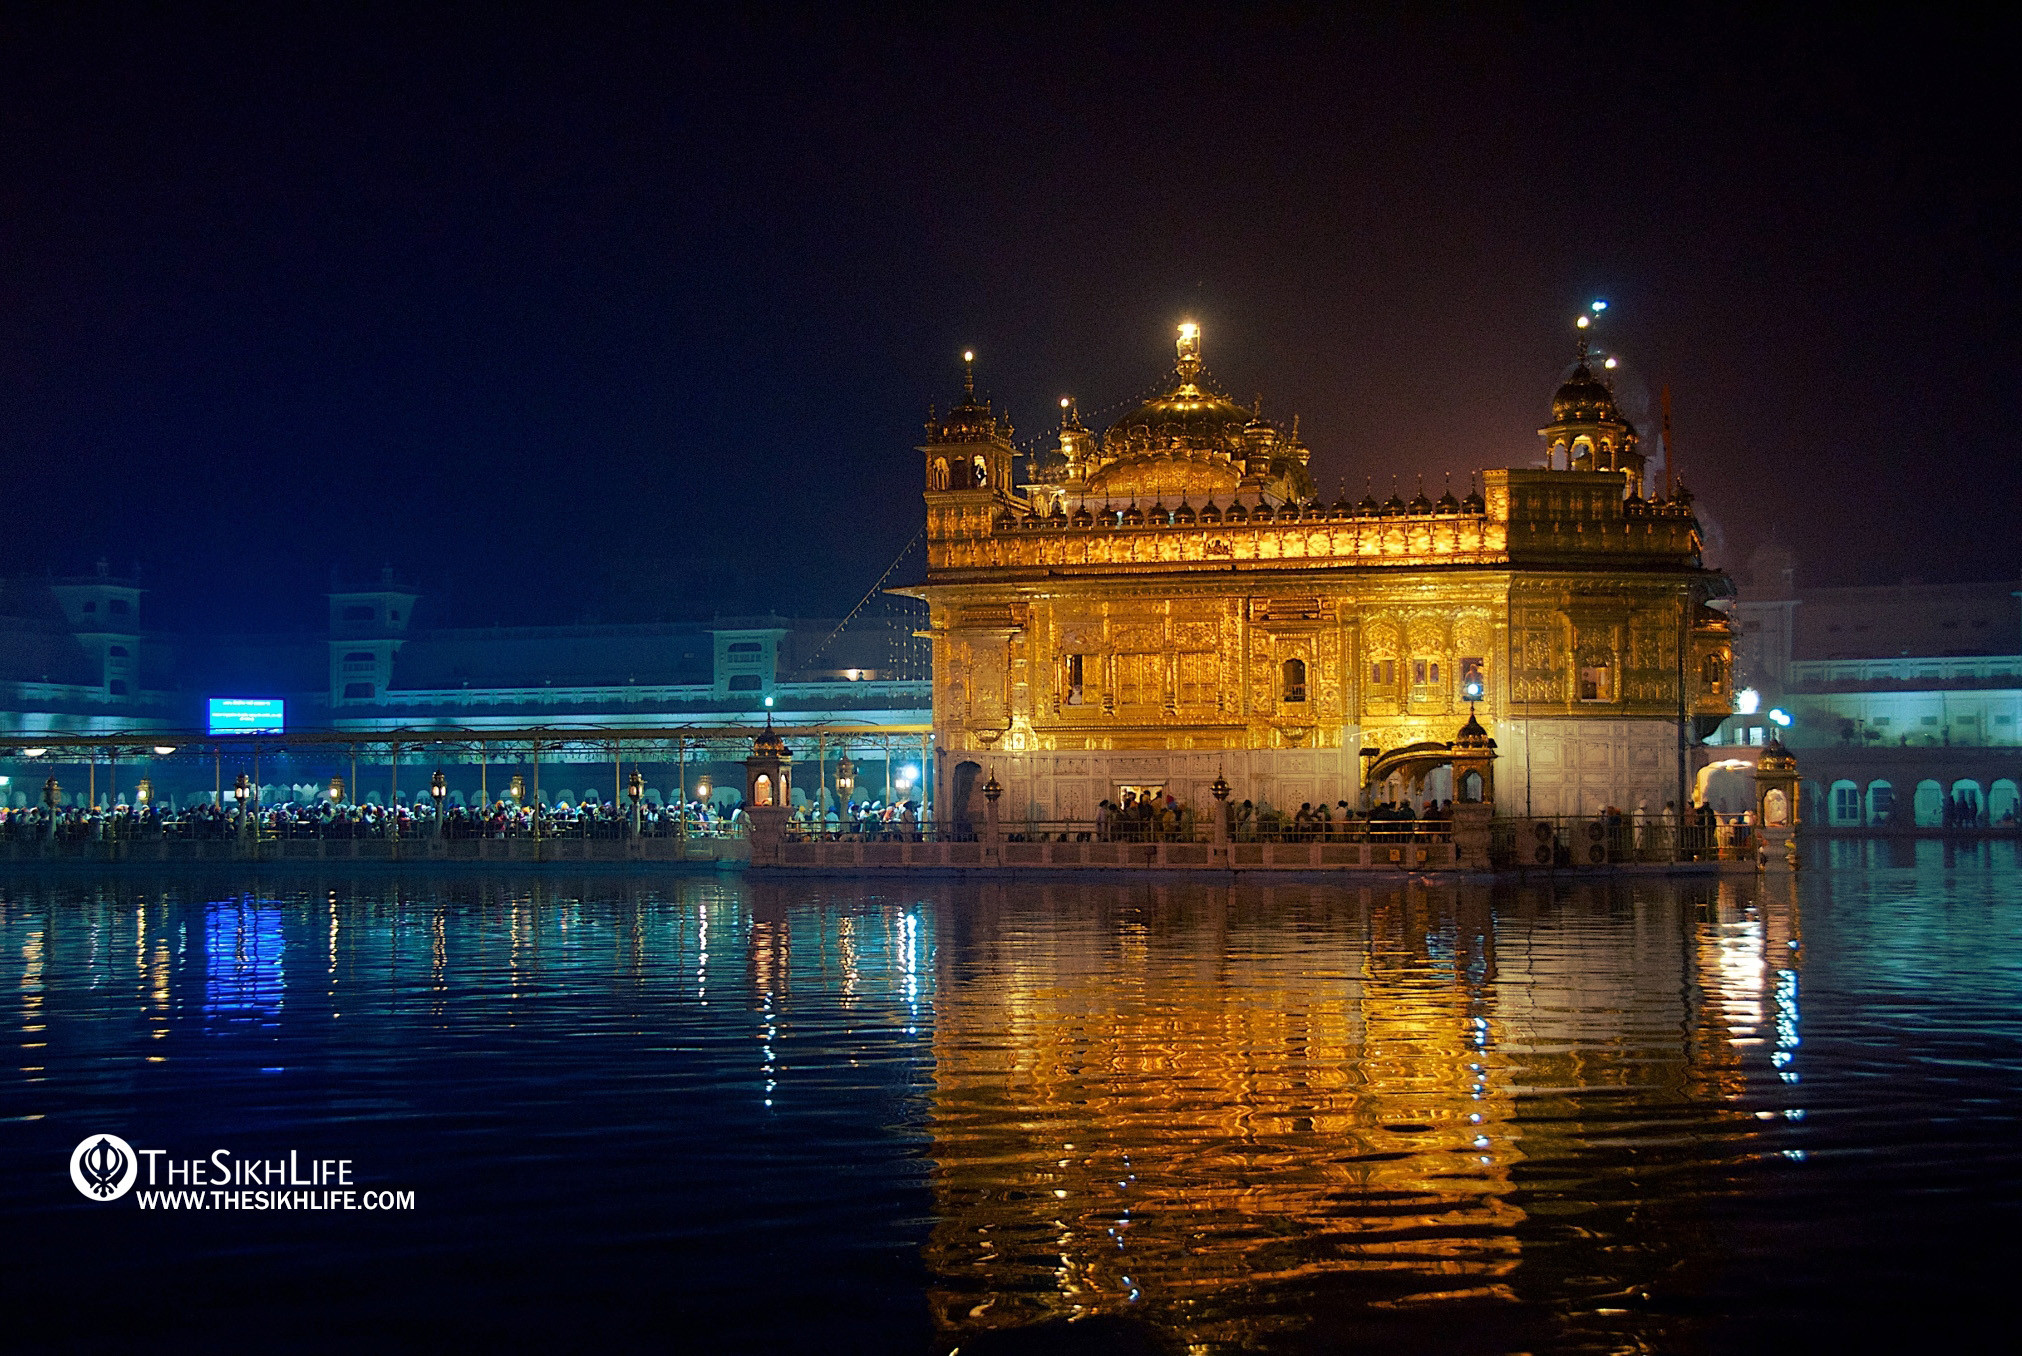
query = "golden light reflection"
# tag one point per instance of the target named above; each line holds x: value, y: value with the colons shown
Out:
x: 1177, y: 1110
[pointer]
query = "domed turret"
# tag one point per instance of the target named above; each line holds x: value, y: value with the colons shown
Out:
x: 1588, y: 432
x: 769, y: 743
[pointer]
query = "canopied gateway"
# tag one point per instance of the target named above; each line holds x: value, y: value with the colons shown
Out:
x: 1170, y: 602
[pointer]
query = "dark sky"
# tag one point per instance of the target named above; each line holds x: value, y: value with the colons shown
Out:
x: 609, y: 314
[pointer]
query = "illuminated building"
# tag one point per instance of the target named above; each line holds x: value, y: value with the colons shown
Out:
x: 1170, y: 600
x: 1897, y: 698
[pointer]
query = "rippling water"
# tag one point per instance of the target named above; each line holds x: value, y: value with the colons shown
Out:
x: 705, y: 1114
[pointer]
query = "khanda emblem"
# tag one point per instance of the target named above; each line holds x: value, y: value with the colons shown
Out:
x: 104, y: 1163
x: 102, y: 1167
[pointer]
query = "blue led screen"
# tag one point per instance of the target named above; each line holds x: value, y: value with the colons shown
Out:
x: 245, y: 715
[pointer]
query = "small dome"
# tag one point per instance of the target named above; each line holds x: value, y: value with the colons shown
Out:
x: 1583, y: 399
x: 1212, y: 513
x: 1237, y: 513
x: 1474, y: 503
x: 1083, y: 518
x: 1420, y: 504
x: 1132, y: 517
x: 1184, y: 514
x: 1448, y: 504
x: 1369, y: 508
x: 1393, y: 506
x: 769, y: 744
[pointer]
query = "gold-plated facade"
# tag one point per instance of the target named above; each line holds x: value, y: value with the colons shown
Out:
x: 1170, y: 602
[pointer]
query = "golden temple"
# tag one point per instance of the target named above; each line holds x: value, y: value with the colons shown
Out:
x: 1171, y: 601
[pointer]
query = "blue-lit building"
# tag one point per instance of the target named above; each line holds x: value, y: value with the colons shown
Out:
x: 77, y: 658
x: 1897, y: 699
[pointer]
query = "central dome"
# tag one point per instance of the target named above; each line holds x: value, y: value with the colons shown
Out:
x: 1193, y: 442
x: 1184, y: 420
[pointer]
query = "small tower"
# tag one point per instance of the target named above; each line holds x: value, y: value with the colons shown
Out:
x: 1473, y: 763
x: 1776, y: 806
x: 1473, y: 793
x: 767, y: 794
x: 970, y: 451
x: 1587, y: 432
x: 769, y: 770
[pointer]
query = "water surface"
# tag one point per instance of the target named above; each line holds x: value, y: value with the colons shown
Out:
x: 701, y: 1113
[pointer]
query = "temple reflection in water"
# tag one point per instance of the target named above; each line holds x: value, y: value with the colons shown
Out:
x: 1211, y: 1101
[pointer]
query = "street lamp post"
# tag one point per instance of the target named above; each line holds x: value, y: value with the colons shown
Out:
x: 438, y: 789
x: 52, y: 791
x: 845, y: 781
x: 637, y: 786
x: 239, y: 789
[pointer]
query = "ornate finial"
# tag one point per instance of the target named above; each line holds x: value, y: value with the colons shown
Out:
x: 969, y: 375
x: 1070, y: 414
x: 1189, y: 346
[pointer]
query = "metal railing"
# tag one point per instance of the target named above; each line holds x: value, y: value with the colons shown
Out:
x: 1550, y: 841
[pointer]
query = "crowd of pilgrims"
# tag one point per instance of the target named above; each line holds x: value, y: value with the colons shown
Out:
x: 1160, y: 816
x: 328, y: 819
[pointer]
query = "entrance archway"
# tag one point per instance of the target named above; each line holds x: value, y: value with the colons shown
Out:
x: 2004, y: 802
x: 966, y: 776
x: 1843, y: 804
x: 1881, y: 802
x: 1930, y: 804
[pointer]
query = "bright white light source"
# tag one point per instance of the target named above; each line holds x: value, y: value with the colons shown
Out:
x: 1609, y: 364
x: 1583, y: 322
x: 1599, y: 307
x: 33, y: 753
x: 768, y: 701
x: 1780, y: 716
x: 968, y: 355
x: 1065, y: 402
x: 164, y: 750
x: 1189, y: 330
x: 1747, y: 701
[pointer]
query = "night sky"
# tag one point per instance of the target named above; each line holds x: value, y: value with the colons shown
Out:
x: 613, y: 315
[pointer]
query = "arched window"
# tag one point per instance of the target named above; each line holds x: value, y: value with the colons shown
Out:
x: 982, y: 474
x: 1713, y: 670
x: 761, y: 790
x: 1295, y: 680
x: 937, y: 474
x: 1470, y: 787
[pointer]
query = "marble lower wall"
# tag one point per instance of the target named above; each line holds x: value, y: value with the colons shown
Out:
x: 1575, y: 766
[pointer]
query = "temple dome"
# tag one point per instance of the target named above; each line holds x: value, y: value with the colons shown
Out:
x: 1192, y: 441
x: 1583, y: 398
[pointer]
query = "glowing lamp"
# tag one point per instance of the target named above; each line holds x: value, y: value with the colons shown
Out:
x: 1747, y: 701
